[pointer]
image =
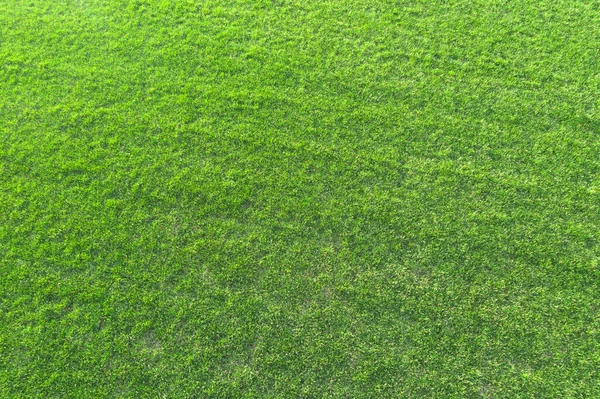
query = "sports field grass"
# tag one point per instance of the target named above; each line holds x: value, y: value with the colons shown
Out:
x: 309, y: 199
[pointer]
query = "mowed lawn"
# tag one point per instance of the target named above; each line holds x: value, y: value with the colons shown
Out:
x: 299, y: 199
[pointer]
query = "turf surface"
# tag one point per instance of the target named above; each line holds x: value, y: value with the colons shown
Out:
x: 317, y: 199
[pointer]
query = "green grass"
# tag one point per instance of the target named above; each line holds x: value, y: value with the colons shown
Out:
x: 312, y: 199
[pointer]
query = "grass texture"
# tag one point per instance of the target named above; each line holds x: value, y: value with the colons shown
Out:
x: 299, y: 199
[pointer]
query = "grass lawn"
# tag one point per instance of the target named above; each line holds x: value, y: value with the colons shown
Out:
x: 299, y: 199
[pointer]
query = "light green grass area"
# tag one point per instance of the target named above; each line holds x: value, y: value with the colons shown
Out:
x: 299, y: 199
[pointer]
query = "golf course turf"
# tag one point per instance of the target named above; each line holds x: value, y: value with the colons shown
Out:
x: 299, y: 199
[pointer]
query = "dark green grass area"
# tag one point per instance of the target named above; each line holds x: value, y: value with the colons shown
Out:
x: 311, y: 199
